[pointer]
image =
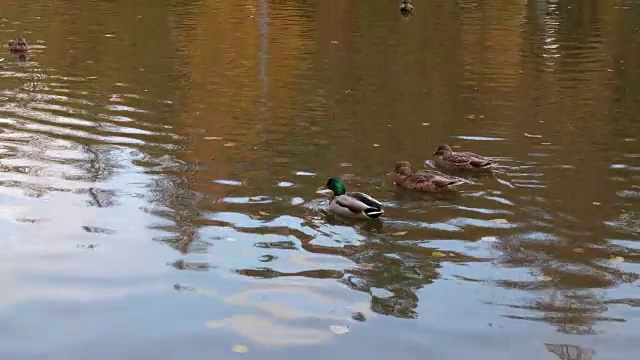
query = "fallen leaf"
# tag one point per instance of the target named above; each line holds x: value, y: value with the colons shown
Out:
x: 376, y: 145
x: 578, y: 250
x: 400, y: 233
x: 213, y: 138
x: 532, y: 136
x: 230, y: 144
x: 617, y: 259
x: 438, y: 254
x: 544, y: 278
x: 334, y: 42
x: 263, y: 213
x: 500, y: 221
x: 596, y: 203
x: 241, y: 349
x: 339, y: 329
x: 425, y: 124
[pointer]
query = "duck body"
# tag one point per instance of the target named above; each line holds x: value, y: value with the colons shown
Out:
x: 352, y: 204
x: 18, y: 45
x: 406, y: 7
x: 448, y: 159
x: 406, y: 178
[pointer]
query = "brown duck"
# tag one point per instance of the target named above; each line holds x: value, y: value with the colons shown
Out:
x: 406, y: 178
x: 448, y: 159
x: 18, y: 45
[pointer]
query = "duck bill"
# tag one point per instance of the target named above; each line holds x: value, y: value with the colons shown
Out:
x: 434, y: 154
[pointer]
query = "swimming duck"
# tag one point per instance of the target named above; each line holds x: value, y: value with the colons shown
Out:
x: 449, y: 159
x: 406, y: 7
x: 18, y: 45
x: 352, y: 204
x: 421, y: 180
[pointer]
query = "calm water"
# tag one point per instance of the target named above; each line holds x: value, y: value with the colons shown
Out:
x: 159, y: 161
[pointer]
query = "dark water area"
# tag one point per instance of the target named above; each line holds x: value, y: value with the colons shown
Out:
x: 159, y: 162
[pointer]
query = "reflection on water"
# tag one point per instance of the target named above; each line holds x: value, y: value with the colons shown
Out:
x: 158, y: 167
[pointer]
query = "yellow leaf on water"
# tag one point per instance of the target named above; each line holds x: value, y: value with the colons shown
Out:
x: 230, y: 144
x: 263, y: 213
x: 532, y: 135
x: 500, y: 221
x: 241, y: 349
x: 400, y: 233
x: 617, y: 259
x: 213, y: 138
x: 438, y: 254
x: 339, y: 329
x: 544, y: 278
x: 578, y: 250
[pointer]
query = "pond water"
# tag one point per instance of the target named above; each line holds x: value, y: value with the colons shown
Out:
x: 159, y: 162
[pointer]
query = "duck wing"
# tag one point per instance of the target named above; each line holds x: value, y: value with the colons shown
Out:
x: 363, y: 199
x: 476, y: 160
x: 437, y: 179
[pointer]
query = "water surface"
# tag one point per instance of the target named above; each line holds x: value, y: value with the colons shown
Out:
x: 159, y: 161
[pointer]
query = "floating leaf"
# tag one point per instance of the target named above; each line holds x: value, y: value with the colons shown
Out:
x: 617, y: 259
x: 241, y: 349
x: 425, y: 124
x: 578, y: 250
x: 334, y: 42
x: 213, y: 138
x: 438, y: 254
x: 358, y: 316
x: 263, y: 213
x: 400, y: 233
x: 339, y: 329
x: 230, y: 144
x: 500, y: 221
x: 544, y: 278
x: 596, y: 203
x: 376, y: 145
x: 532, y: 135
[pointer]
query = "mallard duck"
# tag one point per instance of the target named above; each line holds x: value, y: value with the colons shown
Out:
x: 449, y: 159
x: 424, y: 181
x: 406, y: 7
x: 352, y: 204
x: 18, y: 45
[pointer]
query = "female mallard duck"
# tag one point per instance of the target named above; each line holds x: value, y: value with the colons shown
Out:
x: 18, y: 45
x: 424, y: 181
x: 451, y: 160
x: 352, y: 204
x: 406, y: 7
